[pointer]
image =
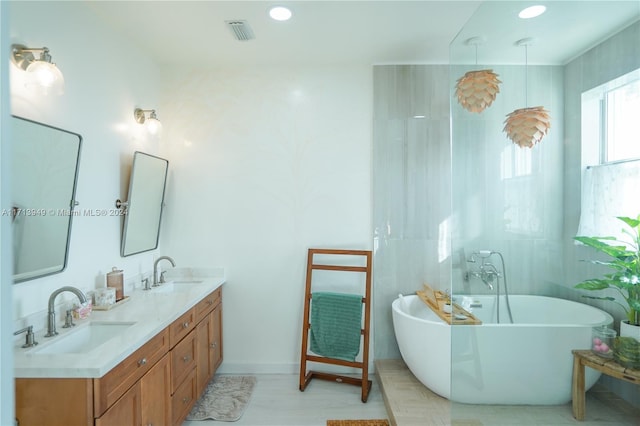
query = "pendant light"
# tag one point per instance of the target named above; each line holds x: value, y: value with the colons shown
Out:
x: 527, y: 126
x: 476, y: 90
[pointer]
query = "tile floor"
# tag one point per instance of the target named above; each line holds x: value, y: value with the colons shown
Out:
x: 409, y: 403
x: 398, y: 396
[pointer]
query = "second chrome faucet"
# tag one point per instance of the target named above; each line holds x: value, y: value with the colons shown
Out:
x: 159, y: 280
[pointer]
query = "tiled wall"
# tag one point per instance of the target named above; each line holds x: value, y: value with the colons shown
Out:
x: 411, y: 187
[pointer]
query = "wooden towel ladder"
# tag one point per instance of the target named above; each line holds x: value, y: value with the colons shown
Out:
x: 305, y: 377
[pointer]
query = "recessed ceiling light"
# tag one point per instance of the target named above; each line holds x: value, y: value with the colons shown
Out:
x: 532, y: 11
x: 280, y: 13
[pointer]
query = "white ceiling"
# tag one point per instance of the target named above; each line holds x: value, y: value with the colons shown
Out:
x: 364, y: 32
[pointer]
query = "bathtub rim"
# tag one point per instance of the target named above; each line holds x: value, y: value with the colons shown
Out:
x: 395, y: 305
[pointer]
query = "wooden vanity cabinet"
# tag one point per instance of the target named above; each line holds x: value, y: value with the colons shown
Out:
x: 156, y: 385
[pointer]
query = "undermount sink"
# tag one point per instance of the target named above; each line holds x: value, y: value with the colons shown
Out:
x: 83, y: 339
x: 175, y: 286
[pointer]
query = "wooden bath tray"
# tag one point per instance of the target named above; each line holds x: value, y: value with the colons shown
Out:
x: 436, y: 300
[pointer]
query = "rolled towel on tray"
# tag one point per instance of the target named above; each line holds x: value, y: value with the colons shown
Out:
x: 336, y: 323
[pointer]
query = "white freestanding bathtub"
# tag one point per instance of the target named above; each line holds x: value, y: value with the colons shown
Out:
x: 528, y: 362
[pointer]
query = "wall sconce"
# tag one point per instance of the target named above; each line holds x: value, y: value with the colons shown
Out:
x: 153, y: 124
x: 42, y: 72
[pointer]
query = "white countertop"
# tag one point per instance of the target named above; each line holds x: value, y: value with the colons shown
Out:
x: 150, y: 311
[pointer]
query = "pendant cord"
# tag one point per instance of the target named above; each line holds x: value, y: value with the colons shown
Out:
x: 526, y: 75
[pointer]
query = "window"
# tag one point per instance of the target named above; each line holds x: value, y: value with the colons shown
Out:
x: 622, y: 123
x: 610, y: 155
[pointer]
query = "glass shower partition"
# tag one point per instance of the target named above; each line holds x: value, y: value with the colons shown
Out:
x: 507, y: 200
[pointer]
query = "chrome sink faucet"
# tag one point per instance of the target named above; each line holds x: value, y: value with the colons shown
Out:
x: 51, y: 315
x: 156, y: 282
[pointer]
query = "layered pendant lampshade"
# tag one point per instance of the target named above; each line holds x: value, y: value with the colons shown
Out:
x: 477, y: 90
x: 527, y: 126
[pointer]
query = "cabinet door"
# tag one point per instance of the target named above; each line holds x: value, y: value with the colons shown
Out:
x: 216, y: 339
x: 209, y: 338
x: 203, y: 362
x: 62, y: 402
x: 125, y: 412
x: 155, y: 389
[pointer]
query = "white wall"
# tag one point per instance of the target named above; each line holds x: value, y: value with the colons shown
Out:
x: 265, y: 163
x: 106, y: 78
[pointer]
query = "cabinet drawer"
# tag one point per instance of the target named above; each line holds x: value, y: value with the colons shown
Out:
x: 183, y: 360
x: 181, y: 327
x: 184, y: 398
x: 116, y: 382
x: 207, y: 304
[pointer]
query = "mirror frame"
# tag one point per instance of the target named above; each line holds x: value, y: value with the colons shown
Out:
x: 72, y: 202
x: 133, y: 188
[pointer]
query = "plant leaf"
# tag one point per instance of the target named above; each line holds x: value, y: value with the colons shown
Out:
x: 633, y: 223
x: 593, y: 284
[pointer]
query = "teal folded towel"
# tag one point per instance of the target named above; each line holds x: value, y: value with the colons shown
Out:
x: 336, y: 323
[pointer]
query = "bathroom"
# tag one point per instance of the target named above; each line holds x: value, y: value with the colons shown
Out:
x: 311, y: 123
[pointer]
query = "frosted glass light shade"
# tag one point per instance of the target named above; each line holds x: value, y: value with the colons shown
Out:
x: 47, y: 76
x: 153, y: 126
x: 527, y: 126
x: 477, y: 90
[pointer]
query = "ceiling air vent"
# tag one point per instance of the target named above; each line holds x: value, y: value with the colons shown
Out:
x: 240, y: 29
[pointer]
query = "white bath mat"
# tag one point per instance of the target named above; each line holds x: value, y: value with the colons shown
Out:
x: 225, y: 399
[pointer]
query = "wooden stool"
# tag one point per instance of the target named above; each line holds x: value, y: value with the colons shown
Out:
x: 606, y: 366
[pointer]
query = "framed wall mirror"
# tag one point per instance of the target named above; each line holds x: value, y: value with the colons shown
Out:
x: 45, y: 162
x: 141, y: 229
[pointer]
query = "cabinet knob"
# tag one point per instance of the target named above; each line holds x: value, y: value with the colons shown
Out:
x: 214, y: 345
x: 185, y: 324
x: 186, y: 358
x: 185, y: 400
x: 142, y: 362
x: 209, y: 302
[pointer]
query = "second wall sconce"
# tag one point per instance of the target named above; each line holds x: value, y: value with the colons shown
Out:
x: 42, y: 71
x: 153, y: 124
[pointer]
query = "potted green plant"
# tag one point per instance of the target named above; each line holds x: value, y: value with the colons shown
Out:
x: 625, y: 263
x: 625, y: 278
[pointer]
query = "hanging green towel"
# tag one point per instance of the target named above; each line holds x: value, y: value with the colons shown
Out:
x: 336, y: 322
